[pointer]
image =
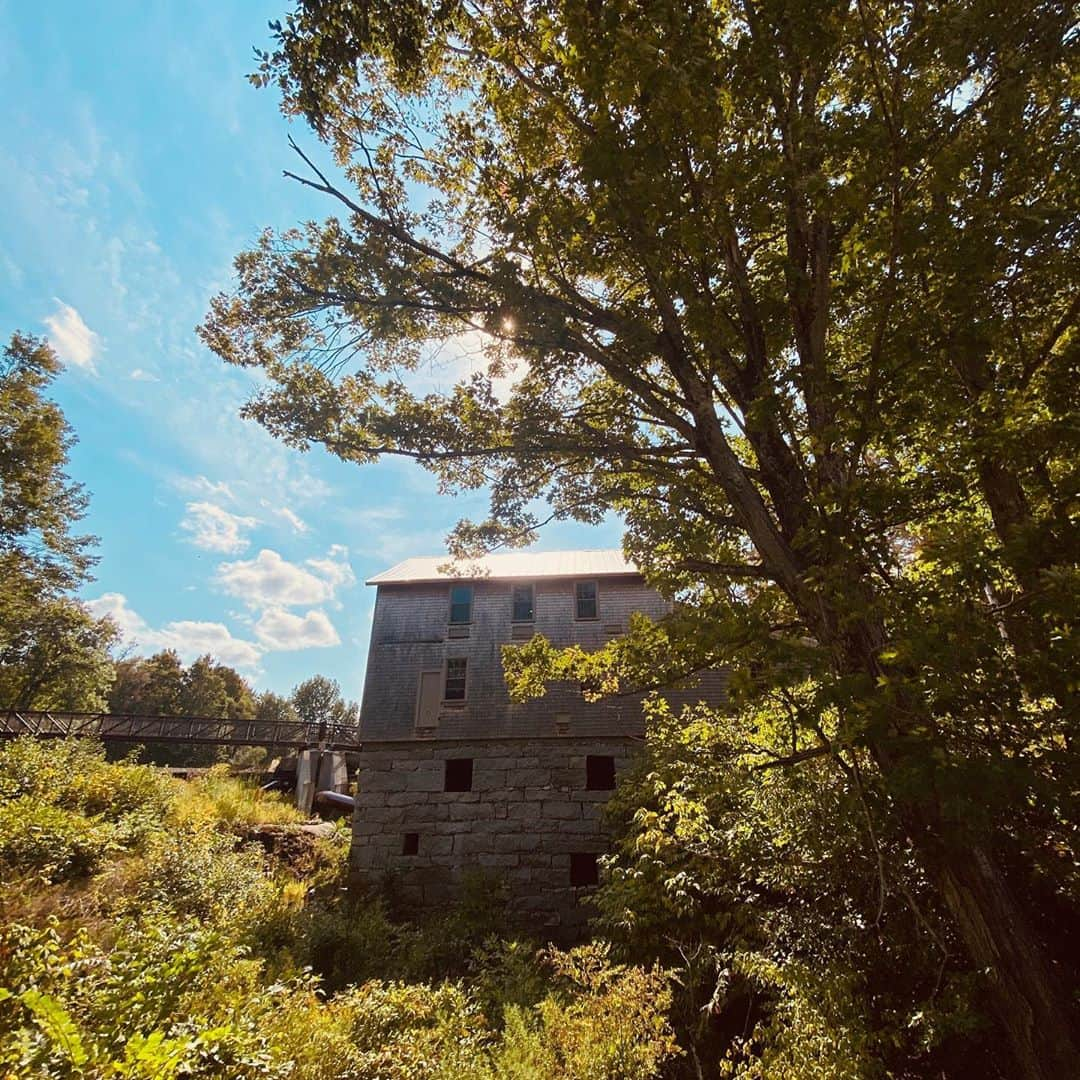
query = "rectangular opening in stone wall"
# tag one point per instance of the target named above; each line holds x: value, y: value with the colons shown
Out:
x: 599, y: 772
x: 458, y: 774
x: 410, y: 843
x: 584, y: 869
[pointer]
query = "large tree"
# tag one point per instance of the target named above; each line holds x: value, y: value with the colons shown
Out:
x: 318, y: 701
x: 160, y: 685
x: 793, y: 287
x: 53, y: 653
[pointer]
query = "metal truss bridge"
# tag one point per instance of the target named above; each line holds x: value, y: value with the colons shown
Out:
x: 205, y: 730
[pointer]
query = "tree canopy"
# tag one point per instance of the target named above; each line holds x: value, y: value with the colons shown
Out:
x: 318, y: 700
x: 793, y: 289
x: 53, y: 653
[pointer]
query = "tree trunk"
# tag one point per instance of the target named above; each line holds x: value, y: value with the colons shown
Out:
x: 1026, y: 995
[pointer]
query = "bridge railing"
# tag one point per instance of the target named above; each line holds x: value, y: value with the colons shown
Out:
x: 179, y: 729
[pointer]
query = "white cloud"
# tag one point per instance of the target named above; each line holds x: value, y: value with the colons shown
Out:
x: 269, y: 581
x: 138, y: 375
x: 73, y: 340
x: 214, y: 529
x: 296, y: 522
x: 278, y: 629
x: 199, y: 485
x: 12, y: 269
x: 335, y: 569
x: 188, y: 637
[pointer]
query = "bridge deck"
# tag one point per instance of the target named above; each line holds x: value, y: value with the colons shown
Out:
x: 213, y: 730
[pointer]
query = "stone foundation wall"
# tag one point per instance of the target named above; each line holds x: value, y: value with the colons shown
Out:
x: 528, y: 812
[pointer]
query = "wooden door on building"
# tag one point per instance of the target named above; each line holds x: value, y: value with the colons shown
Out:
x: 428, y: 699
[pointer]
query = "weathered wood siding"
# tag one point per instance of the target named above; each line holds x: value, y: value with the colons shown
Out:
x: 410, y: 634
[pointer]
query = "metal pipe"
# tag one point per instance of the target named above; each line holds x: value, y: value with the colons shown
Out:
x: 335, y: 798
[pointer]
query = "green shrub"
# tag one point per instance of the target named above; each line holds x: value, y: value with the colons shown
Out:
x: 49, y: 841
x: 606, y: 1021
x: 203, y: 874
x: 416, y: 1032
x: 75, y: 774
x: 44, y: 769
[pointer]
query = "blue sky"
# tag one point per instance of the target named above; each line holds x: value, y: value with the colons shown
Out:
x: 137, y: 161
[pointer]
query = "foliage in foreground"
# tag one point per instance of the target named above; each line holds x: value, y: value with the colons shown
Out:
x: 807, y: 940
x: 143, y: 938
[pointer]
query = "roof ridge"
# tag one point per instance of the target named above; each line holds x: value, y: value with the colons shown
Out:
x: 516, y: 563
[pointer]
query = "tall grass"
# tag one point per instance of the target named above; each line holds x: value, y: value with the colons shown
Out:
x: 218, y: 797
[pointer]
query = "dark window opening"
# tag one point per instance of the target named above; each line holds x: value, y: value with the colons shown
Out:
x: 523, y: 603
x: 458, y: 774
x: 585, y: 600
x: 410, y: 843
x: 461, y: 604
x: 456, y: 671
x: 584, y: 869
x: 599, y: 772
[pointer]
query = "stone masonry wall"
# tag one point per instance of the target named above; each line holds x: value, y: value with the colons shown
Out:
x: 527, y: 813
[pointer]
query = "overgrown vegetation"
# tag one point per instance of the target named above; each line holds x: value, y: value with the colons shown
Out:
x: 143, y: 936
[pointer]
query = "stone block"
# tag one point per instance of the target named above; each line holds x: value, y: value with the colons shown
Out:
x: 387, y: 815
x: 537, y: 794
x: 497, y: 858
x: 504, y: 795
x: 489, y: 780
x: 571, y: 779
x: 494, y: 764
x: 455, y: 796
x: 527, y: 778
x: 405, y: 798
x: 449, y: 828
x: 581, y: 826
x: 367, y: 828
x: 425, y: 780
x: 435, y: 844
x: 378, y: 781
x: 564, y: 843
x: 557, y: 810
x: 511, y: 841
x: 471, y: 811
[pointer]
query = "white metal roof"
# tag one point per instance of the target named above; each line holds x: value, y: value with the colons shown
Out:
x: 509, y: 565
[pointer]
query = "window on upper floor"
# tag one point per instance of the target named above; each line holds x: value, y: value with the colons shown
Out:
x: 524, y: 607
x: 461, y: 597
x: 456, y: 674
x: 585, y: 604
